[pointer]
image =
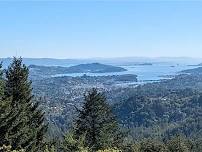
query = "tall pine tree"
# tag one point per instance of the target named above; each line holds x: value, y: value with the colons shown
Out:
x: 97, y: 123
x: 1, y: 81
x: 28, y: 128
x: 8, y: 115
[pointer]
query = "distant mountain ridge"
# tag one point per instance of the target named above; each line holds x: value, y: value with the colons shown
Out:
x: 112, y: 61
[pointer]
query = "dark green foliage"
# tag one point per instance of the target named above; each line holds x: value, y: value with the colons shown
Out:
x: 152, y: 145
x: 7, y: 119
x: 73, y: 144
x: 1, y: 81
x: 154, y: 115
x: 97, y: 123
x: 24, y: 125
x: 197, y: 145
x: 179, y: 144
x: 17, y: 84
x: 135, y: 111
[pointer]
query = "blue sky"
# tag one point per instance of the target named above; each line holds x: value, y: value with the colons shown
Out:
x: 85, y: 29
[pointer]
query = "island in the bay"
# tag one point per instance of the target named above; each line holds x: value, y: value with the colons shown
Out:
x: 81, y: 68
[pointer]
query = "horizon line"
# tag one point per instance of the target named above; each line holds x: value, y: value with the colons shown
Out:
x: 101, y: 58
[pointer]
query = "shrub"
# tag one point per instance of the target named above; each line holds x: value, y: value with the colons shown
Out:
x: 8, y: 148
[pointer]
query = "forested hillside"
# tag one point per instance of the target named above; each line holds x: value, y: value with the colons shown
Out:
x: 99, y: 114
x: 175, y: 102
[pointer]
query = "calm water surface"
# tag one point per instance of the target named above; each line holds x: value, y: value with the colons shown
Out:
x: 153, y: 72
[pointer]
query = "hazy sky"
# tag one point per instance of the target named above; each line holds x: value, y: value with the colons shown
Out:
x: 84, y: 29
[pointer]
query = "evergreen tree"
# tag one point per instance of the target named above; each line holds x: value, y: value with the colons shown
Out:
x: 179, y: 144
x: 7, y: 118
x: 8, y: 115
x: 28, y: 128
x: 71, y: 144
x: 17, y: 84
x: 97, y: 123
x: 1, y: 81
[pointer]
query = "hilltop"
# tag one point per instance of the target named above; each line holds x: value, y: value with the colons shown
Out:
x: 195, y: 71
x: 94, y: 68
